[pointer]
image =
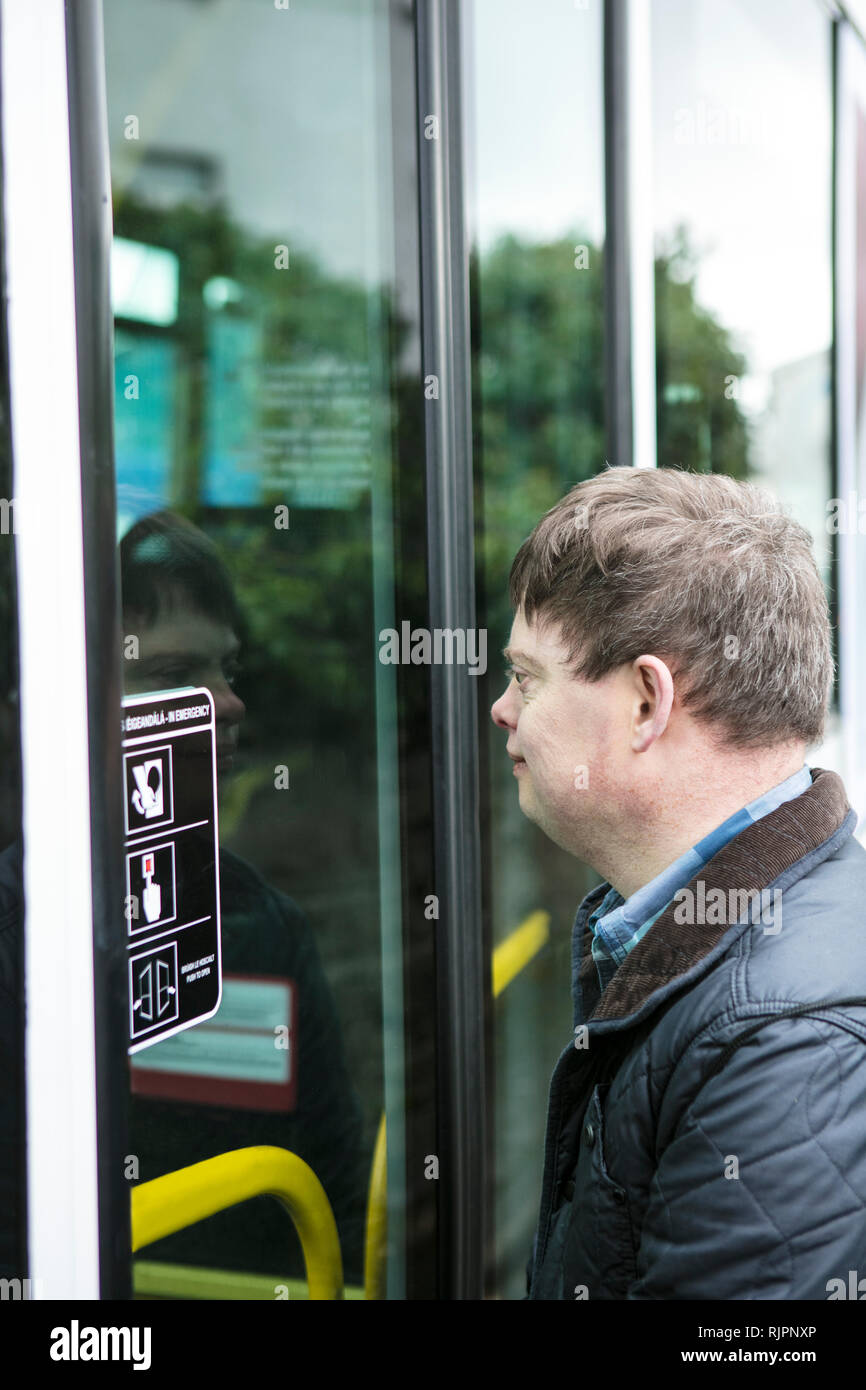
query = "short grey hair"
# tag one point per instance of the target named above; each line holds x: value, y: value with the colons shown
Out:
x: 701, y: 570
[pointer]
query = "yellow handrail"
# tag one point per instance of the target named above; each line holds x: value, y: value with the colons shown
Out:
x: 168, y: 1204
x: 376, y: 1236
x: 517, y: 950
x: 509, y: 958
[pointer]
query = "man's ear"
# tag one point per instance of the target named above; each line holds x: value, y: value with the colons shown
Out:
x: 653, y: 687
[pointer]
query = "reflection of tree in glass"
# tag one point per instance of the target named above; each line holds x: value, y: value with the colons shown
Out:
x: 539, y: 391
x: 698, y: 370
x: 540, y: 379
x: 270, y: 318
x: 309, y: 603
x: 539, y: 425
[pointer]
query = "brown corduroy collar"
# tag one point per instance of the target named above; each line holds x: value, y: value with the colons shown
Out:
x: 751, y: 861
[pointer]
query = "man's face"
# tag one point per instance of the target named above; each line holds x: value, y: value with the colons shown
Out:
x: 565, y: 737
x: 186, y: 647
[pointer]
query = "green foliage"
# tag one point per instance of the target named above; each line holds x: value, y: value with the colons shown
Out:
x: 540, y: 389
x: 700, y: 425
x: 538, y: 423
x: 539, y: 396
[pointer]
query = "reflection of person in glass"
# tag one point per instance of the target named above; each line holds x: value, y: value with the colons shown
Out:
x: 196, y: 1096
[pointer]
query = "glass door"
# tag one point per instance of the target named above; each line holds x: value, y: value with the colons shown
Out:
x: 251, y: 506
x: 261, y: 341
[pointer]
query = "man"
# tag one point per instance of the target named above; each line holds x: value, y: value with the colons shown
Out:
x: 670, y: 664
x: 179, y: 604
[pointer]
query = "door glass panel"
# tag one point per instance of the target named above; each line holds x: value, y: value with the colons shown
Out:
x: 534, y: 103
x: 742, y: 137
x: 742, y: 154
x: 252, y: 216
x: 13, y: 1206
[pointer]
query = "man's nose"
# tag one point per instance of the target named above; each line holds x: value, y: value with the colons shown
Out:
x: 499, y: 712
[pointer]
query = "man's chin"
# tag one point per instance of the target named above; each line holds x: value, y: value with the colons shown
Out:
x: 526, y: 802
x: 561, y: 834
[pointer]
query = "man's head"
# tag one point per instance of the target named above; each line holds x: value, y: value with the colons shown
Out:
x: 671, y: 640
x: 178, y: 602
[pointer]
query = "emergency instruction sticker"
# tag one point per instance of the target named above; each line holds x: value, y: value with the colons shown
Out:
x: 171, y: 910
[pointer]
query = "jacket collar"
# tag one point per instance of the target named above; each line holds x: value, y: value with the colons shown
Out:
x: 672, y: 953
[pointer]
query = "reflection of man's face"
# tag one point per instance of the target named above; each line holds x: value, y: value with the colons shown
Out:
x: 186, y: 647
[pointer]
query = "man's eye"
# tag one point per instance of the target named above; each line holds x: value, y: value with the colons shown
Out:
x: 232, y: 671
x: 512, y: 674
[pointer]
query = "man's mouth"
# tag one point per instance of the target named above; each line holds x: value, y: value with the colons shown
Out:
x: 518, y: 761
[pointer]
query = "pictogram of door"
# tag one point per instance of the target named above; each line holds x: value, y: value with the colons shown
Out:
x: 155, y: 991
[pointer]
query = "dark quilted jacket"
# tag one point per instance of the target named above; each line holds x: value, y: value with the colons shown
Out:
x: 709, y: 1142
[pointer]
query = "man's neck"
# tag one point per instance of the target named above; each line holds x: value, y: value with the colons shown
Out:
x: 692, y: 811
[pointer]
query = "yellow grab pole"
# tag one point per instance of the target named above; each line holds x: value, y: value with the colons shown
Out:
x: 377, y: 1220
x: 168, y: 1204
x: 509, y: 958
x: 517, y: 950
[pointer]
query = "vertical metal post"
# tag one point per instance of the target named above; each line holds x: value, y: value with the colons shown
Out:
x: 92, y: 235
x: 447, y: 387
x: 61, y: 405
x: 850, y: 74
x: 617, y: 266
x: 641, y: 233
x: 43, y: 368
x: 629, y: 263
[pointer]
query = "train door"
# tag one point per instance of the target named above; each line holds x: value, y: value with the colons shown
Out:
x: 255, y: 379
x: 240, y: 458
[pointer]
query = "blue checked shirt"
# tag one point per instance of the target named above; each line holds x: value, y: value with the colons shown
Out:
x: 617, y: 924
